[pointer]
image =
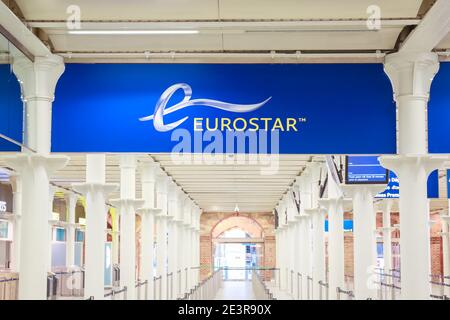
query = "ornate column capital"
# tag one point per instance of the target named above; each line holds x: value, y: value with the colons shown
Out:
x: 411, y: 73
x: 38, y: 79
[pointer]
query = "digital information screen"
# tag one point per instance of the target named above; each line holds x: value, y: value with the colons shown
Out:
x: 365, y: 170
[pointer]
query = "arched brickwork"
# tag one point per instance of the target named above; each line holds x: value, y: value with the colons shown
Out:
x: 257, y: 225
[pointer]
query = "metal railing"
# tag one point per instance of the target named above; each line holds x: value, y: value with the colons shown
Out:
x: 115, y: 292
x: 139, y: 285
x: 259, y: 287
x: 207, y: 289
x: 323, y: 288
x: 169, y: 287
x: 157, y: 288
x: 349, y: 294
x: 9, y: 288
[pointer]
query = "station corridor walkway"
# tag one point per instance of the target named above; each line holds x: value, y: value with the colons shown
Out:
x: 236, y: 290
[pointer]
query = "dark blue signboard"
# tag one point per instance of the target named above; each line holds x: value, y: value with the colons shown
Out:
x: 365, y: 170
x: 439, y: 112
x: 11, y: 109
x: 392, y: 189
x: 302, y: 109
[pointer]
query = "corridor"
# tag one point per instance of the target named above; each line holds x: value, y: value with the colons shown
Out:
x: 236, y: 290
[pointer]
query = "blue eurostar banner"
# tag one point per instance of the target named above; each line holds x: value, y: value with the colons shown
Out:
x: 11, y: 109
x: 439, y: 112
x: 287, y: 108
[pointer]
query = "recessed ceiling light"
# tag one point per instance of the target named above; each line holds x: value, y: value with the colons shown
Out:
x: 130, y: 32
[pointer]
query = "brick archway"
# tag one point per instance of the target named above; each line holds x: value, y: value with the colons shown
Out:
x: 247, y: 224
x: 257, y: 225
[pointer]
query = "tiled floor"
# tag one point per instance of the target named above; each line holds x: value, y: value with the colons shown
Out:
x: 236, y: 290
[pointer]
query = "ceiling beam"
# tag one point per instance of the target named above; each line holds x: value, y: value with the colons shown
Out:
x: 22, y: 38
x: 226, y: 26
x: 431, y: 30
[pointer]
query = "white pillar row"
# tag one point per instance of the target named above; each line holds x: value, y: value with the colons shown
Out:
x: 16, y: 184
x: 172, y: 208
x: 127, y: 205
x: 38, y: 80
x: 334, y: 207
x: 411, y: 74
x: 71, y: 204
x: 148, y: 169
x: 445, y: 217
x: 364, y: 248
x: 95, y: 191
x: 161, y: 233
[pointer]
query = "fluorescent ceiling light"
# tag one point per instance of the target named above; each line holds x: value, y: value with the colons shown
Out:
x: 131, y: 32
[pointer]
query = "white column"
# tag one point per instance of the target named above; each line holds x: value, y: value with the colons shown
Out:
x: 282, y: 247
x: 187, y: 245
x: 16, y: 184
x: 95, y: 191
x: 148, y: 178
x: 71, y: 203
x: 364, y: 254
x: 291, y: 237
x: 197, y: 245
x: 178, y: 223
x: 172, y: 208
x: 318, y: 251
x: 161, y: 231
x: 127, y: 205
x: 334, y: 207
x: 179, y: 268
x: 306, y: 202
x: 38, y: 80
x: 411, y: 75
x: 317, y: 216
x: 192, y: 262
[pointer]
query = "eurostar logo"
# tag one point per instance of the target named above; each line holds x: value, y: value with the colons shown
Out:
x: 161, y: 110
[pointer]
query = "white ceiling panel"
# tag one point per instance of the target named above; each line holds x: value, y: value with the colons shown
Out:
x: 342, y: 40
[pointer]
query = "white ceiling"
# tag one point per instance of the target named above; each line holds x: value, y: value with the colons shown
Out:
x: 345, y: 28
x: 214, y: 187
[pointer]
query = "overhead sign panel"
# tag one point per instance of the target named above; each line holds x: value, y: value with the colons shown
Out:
x: 224, y: 108
x: 365, y: 170
x: 368, y: 170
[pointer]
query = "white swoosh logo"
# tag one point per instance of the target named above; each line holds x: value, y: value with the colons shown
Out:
x: 160, y: 108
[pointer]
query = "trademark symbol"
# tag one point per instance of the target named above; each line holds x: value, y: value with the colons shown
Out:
x: 301, y: 119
